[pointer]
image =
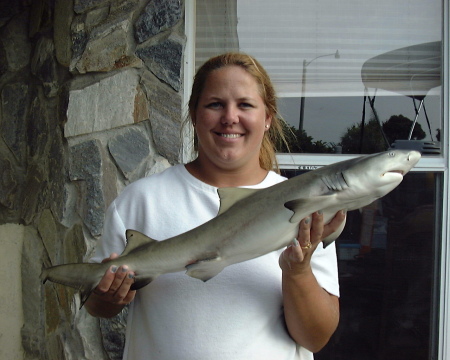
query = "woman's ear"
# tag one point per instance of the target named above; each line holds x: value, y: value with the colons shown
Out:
x: 268, y: 122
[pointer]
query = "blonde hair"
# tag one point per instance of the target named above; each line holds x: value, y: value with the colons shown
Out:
x: 275, y: 134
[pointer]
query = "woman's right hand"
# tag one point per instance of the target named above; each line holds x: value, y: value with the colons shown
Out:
x: 112, y: 292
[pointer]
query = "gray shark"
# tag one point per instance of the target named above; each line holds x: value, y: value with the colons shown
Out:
x: 250, y: 222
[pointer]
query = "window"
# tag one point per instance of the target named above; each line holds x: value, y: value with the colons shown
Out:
x: 340, y: 66
x: 360, y: 77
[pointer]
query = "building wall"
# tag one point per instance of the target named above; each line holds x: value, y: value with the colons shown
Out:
x: 11, y: 297
x: 90, y: 100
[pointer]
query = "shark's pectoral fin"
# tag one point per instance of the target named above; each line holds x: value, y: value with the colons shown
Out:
x: 333, y: 236
x: 305, y: 207
x: 205, y: 269
x: 140, y: 282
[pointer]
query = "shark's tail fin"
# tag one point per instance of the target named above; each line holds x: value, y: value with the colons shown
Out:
x: 83, y: 277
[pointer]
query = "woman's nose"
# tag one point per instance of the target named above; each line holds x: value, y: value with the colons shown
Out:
x: 230, y: 115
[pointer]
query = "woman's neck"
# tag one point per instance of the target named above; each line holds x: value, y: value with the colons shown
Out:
x: 221, y: 177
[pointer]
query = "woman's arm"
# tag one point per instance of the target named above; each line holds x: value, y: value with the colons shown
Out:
x: 311, y: 313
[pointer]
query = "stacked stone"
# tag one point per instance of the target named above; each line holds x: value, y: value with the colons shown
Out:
x: 90, y: 100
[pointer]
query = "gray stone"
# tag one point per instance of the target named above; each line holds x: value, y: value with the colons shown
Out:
x: 124, y: 5
x: 8, y: 9
x: 35, y: 196
x: 113, y: 333
x: 62, y: 195
x: 90, y: 344
x: 165, y: 118
x: 90, y: 170
x: 40, y: 20
x: 48, y: 232
x: 82, y: 6
x: 165, y: 60
x: 3, y: 60
x: 54, y: 175
x: 8, y: 184
x: 43, y: 65
x: 159, y: 165
x: 158, y: 16
x: 61, y: 33
x: 64, y: 203
x: 16, y: 43
x: 79, y: 39
x: 108, y: 47
x: 129, y: 150
x: 38, y: 129
x: 105, y: 105
x: 96, y: 16
x: 74, y: 245
x: 13, y: 127
x: 85, y: 169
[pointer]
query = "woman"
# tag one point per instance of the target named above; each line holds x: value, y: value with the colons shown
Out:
x: 283, y: 305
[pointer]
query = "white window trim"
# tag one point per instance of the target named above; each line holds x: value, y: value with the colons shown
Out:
x: 444, y: 313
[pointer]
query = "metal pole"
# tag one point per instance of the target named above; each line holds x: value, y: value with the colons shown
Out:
x: 302, y: 99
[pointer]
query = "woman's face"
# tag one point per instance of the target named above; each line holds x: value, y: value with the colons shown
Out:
x: 230, y: 119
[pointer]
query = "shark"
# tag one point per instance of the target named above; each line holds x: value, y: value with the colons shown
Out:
x: 250, y: 222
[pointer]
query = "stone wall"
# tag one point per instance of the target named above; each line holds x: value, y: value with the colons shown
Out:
x: 90, y: 100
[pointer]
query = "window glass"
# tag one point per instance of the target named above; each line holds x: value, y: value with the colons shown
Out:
x: 352, y: 76
x: 359, y: 77
x: 388, y: 276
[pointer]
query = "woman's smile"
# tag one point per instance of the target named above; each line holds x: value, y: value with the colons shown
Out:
x: 230, y: 136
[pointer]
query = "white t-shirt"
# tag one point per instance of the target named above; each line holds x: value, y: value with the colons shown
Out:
x: 237, y: 315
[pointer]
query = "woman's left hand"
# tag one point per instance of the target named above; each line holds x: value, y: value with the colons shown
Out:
x: 296, y: 258
x: 311, y: 313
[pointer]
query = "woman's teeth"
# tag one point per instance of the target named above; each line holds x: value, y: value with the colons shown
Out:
x: 232, y: 136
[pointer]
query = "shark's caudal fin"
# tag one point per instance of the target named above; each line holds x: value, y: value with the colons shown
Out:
x: 83, y: 277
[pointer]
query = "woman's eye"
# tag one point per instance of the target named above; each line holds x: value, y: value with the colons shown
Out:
x: 246, y: 105
x: 214, y: 105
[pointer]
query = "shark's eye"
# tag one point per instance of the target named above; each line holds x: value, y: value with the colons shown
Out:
x: 392, y: 154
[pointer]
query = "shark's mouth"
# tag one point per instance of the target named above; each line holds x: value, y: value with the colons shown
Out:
x: 400, y: 172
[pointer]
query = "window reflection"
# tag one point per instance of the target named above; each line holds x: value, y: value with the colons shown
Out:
x: 333, y: 121
x: 341, y: 68
x: 387, y: 255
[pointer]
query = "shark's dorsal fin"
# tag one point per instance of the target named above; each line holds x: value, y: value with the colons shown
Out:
x: 135, y: 239
x: 230, y: 196
x: 299, y: 206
